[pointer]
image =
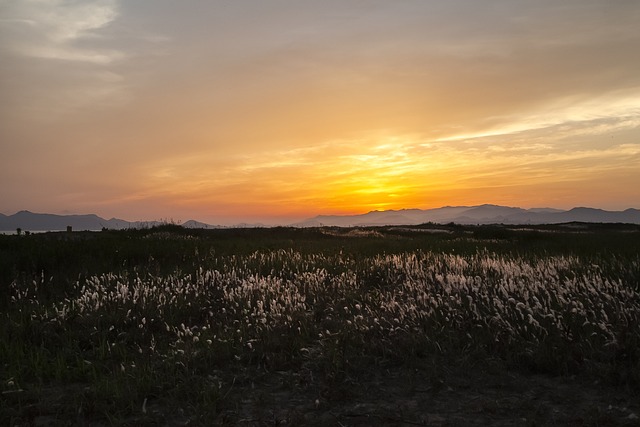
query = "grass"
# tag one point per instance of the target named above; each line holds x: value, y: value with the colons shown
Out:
x: 99, y: 326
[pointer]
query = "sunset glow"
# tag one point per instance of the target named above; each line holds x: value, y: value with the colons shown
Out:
x: 278, y: 111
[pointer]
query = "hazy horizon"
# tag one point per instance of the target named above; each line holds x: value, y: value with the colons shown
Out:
x: 278, y: 111
x: 284, y: 221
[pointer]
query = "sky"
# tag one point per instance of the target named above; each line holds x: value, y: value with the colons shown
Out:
x: 229, y: 111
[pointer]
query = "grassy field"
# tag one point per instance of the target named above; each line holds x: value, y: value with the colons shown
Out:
x: 169, y: 326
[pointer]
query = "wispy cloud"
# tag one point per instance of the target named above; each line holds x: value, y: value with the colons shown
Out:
x: 601, y: 113
x: 60, y: 58
x: 58, y: 29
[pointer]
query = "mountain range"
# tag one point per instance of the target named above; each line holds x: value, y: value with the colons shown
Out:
x: 48, y: 222
x: 482, y: 214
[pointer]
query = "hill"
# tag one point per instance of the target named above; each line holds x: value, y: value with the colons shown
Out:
x: 482, y: 214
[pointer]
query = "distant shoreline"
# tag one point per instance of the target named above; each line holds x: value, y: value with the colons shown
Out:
x: 15, y: 232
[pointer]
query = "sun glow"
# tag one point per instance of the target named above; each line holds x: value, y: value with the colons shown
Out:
x: 377, y: 172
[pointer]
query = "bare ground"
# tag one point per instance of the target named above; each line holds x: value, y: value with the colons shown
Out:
x: 410, y: 397
x: 391, y: 396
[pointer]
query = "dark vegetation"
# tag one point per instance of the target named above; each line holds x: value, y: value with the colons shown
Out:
x: 169, y: 325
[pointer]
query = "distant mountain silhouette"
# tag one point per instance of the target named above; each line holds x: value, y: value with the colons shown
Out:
x: 197, y: 224
x: 29, y: 221
x: 483, y: 214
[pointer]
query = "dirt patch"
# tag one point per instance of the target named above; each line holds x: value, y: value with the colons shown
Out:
x: 392, y: 396
x: 409, y: 397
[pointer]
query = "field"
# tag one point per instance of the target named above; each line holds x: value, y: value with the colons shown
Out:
x: 428, y: 325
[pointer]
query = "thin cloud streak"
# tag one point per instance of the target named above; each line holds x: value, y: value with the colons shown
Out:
x: 52, y: 29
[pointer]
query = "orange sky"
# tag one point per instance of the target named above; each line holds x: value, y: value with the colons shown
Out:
x: 278, y: 111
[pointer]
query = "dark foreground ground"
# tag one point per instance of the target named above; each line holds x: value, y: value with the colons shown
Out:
x: 356, y: 342
x: 406, y: 397
x: 453, y: 396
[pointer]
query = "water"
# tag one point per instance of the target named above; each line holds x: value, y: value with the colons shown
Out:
x: 10, y: 232
x: 13, y: 232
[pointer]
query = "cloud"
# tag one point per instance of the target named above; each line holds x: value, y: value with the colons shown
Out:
x: 58, y: 58
x: 57, y: 29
